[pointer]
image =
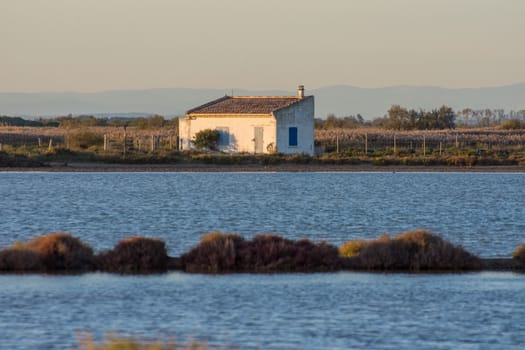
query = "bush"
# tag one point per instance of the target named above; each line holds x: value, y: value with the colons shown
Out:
x: 85, y: 139
x: 216, y: 252
x: 18, y: 259
x: 512, y: 124
x: 220, y: 253
x: 352, y: 248
x: 52, y: 252
x: 206, y: 139
x: 116, y: 342
x: 61, y: 251
x: 519, y: 254
x: 135, y: 255
x: 413, y: 251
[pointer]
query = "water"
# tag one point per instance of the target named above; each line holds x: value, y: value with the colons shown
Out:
x: 483, y: 212
x: 320, y: 311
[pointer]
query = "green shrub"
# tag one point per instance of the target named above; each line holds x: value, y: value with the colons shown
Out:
x: 85, y: 139
x: 135, y: 255
x: 417, y: 250
x: 512, y: 124
x: 206, y: 139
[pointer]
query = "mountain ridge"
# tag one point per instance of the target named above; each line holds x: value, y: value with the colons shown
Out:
x: 341, y: 100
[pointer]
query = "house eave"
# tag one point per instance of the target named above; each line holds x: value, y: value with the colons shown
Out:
x: 229, y: 115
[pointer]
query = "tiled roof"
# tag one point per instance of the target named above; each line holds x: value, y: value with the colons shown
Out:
x: 246, y: 105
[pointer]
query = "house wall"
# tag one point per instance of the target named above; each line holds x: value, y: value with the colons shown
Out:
x: 241, y: 131
x: 301, y: 116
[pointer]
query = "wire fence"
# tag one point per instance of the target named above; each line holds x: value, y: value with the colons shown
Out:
x: 108, y: 139
x: 365, y: 141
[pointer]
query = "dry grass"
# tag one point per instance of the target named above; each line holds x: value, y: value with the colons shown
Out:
x: 216, y: 252
x: 221, y: 253
x: 519, y: 254
x: 51, y: 252
x: 352, y: 248
x: 413, y: 251
x: 116, y: 342
x: 135, y: 255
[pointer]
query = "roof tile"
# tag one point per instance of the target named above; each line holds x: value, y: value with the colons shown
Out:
x: 246, y: 105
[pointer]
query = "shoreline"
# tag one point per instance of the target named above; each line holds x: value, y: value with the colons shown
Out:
x: 254, y: 168
x: 487, y: 265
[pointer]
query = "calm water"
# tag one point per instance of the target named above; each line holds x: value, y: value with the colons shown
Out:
x: 483, y: 212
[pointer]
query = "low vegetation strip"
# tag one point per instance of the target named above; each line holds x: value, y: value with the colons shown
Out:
x: 221, y: 253
x: 413, y: 251
x: 134, y: 255
x: 409, y: 251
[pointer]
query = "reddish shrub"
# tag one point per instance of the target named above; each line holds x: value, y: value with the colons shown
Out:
x: 20, y: 259
x: 51, y: 252
x: 134, y: 255
x: 413, y: 251
x: 216, y: 252
x: 219, y: 253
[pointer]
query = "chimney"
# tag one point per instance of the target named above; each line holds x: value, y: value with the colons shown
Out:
x: 300, y: 91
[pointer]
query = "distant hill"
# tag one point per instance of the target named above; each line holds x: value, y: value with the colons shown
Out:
x: 341, y: 100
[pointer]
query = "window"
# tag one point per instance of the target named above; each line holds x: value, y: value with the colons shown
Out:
x: 224, y: 136
x: 292, y: 136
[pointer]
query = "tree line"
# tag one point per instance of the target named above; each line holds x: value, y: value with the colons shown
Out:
x: 401, y: 118
x: 70, y: 121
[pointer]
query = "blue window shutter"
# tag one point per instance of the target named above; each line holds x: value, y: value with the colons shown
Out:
x: 292, y: 136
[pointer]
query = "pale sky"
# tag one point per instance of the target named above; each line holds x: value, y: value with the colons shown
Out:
x: 98, y: 45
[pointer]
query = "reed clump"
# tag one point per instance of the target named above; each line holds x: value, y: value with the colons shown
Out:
x: 352, y: 248
x: 222, y: 252
x: 18, y: 259
x: 414, y: 251
x: 116, y: 342
x: 519, y: 254
x: 51, y: 252
x: 134, y: 255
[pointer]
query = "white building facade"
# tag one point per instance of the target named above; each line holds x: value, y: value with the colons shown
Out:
x: 254, y: 124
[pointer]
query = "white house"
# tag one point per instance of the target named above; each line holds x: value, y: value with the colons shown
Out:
x: 254, y: 124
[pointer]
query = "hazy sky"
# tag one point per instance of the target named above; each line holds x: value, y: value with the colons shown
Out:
x: 94, y: 45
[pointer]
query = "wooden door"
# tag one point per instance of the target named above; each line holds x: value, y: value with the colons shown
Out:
x: 258, y: 133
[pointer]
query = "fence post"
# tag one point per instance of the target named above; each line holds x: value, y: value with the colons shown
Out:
x: 337, y: 143
x: 39, y: 142
x: 395, y: 148
x: 105, y: 142
x: 440, y: 147
x: 424, y: 146
x: 125, y: 141
x: 366, y: 144
x: 457, y: 144
x: 50, y: 147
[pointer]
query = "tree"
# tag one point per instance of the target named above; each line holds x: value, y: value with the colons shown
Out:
x: 206, y: 139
